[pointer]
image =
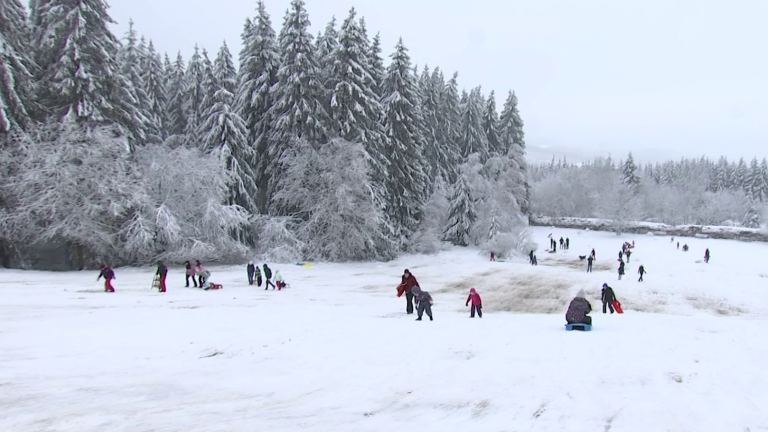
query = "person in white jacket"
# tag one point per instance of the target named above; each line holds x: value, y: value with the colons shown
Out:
x: 279, y: 281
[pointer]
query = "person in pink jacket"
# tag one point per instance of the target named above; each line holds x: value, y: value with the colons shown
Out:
x: 477, y: 303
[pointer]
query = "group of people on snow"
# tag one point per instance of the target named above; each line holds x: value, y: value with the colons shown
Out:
x: 565, y: 244
x: 254, y: 276
x: 413, y: 293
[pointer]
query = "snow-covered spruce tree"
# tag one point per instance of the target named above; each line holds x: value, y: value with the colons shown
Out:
x: 182, y: 213
x: 430, y: 110
x: 226, y: 135
x: 754, y: 181
x: 462, y: 213
x: 450, y: 125
x: 376, y: 63
x: 299, y: 106
x: 429, y: 234
x: 512, y: 139
x: 79, y: 73
x: 407, y: 184
x: 154, y: 82
x: 326, y: 45
x: 473, y: 137
x: 342, y: 222
x: 764, y: 179
x: 15, y: 68
x: 71, y: 187
x: 175, y: 119
x: 259, y: 63
x: 131, y: 58
x: 210, y: 87
x: 739, y: 175
x: 629, y: 173
x: 354, y: 106
x: 491, y: 125
x: 193, y: 97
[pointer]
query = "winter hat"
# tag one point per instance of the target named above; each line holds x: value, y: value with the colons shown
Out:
x: 250, y: 262
x: 605, y: 285
x: 103, y: 266
x: 581, y: 294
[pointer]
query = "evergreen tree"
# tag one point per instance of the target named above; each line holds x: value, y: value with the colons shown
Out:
x: 175, y: 111
x: 764, y: 179
x: 491, y: 125
x: 15, y: 67
x: 629, y: 173
x: 154, y: 82
x: 225, y: 132
x: 209, y: 86
x: 407, y: 182
x: 754, y: 181
x: 450, y: 126
x: 194, y: 95
x: 512, y: 141
x: 740, y: 176
x: 462, y: 214
x: 377, y: 66
x: 259, y: 63
x: 131, y: 60
x: 473, y: 137
x: 327, y: 44
x: 430, y: 108
x: 79, y: 73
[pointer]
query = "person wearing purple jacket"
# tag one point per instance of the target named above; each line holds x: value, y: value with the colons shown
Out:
x: 578, y: 310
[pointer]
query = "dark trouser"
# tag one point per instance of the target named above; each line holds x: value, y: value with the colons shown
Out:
x: 258, y: 280
x: 266, y: 285
x: 589, y: 268
x: 424, y: 306
x: 194, y: 281
x: 201, y: 280
x: 609, y: 304
x: 478, y: 308
x: 408, y: 302
x: 250, y: 278
x: 641, y: 278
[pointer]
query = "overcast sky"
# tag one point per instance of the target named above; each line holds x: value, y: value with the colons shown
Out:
x: 660, y: 77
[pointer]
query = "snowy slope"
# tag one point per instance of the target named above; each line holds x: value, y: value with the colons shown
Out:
x: 335, y: 351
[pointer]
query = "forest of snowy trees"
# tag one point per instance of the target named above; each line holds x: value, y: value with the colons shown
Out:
x: 306, y: 148
x: 690, y: 191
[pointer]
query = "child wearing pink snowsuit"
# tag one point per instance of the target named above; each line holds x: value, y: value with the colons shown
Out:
x: 477, y: 303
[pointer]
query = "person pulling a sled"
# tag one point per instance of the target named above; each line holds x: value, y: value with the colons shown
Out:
x: 608, y: 296
x: 108, y: 275
x: 407, y: 283
x: 477, y: 303
x: 578, y: 310
x: 162, y: 273
x: 423, y: 302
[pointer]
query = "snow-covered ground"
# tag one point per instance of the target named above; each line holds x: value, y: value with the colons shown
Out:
x: 336, y: 352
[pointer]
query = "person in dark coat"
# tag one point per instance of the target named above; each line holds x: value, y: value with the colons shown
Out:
x: 562, y: 243
x: 108, y: 275
x: 268, y: 277
x: 530, y: 257
x: 621, y: 255
x: 578, y: 310
x: 535, y: 261
x: 706, y: 256
x: 251, y: 269
x: 629, y: 254
x: 589, y: 263
x: 258, y: 275
x: 407, y: 282
x: 162, y: 271
x: 567, y: 243
x: 641, y: 272
x: 621, y: 269
x: 423, y: 302
x: 493, y: 256
x: 190, y: 273
x: 593, y: 254
x: 608, y: 297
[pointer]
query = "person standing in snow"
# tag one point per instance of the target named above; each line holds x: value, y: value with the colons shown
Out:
x: 162, y: 272
x: 108, y: 275
x: 567, y: 243
x: 621, y: 255
x: 593, y: 253
x: 199, y: 270
x: 562, y: 243
x: 621, y: 269
x: 589, y: 263
x: 279, y: 281
x: 608, y: 297
x: 641, y: 272
x: 407, y: 282
x: 268, y: 277
x: 493, y: 256
x: 423, y: 302
x: 251, y: 270
x: 530, y: 257
x: 477, y: 303
x: 535, y: 261
x: 578, y: 310
x: 629, y: 253
x: 257, y: 270
x: 706, y: 256
x: 678, y: 245
x: 190, y: 273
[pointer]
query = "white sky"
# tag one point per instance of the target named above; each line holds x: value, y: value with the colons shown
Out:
x: 661, y: 77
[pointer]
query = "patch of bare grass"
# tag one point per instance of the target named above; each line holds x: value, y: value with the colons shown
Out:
x: 719, y: 307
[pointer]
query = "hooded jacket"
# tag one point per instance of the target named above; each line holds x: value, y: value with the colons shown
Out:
x: 607, y: 294
x: 474, y: 297
x: 578, y: 309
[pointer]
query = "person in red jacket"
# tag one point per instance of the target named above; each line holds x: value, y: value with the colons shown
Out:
x: 408, y: 281
x: 108, y: 275
x: 477, y: 303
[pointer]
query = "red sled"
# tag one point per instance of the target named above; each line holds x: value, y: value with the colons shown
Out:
x: 400, y: 290
x: 617, y: 307
x: 216, y: 286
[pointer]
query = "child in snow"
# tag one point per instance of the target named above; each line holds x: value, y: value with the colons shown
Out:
x: 593, y: 254
x: 205, y: 275
x: 477, y: 303
x: 567, y: 243
x: 258, y: 276
x: 493, y: 256
x: 685, y: 248
x: 621, y: 255
x: 641, y: 272
x: 621, y: 269
x: 279, y: 281
x: 629, y: 253
x: 199, y: 270
x: 108, y: 275
x: 423, y: 302
x: 190, y: 273
x: 578, y: 310
x: 251, y: 269
x: 162, y: 272
x: 706, y: 256
x: 535, y: 261
x: 268, y: 277
x: 608, y: 297
x: 589, y: 263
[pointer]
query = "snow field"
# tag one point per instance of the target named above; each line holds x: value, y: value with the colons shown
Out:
x: 336, y: 351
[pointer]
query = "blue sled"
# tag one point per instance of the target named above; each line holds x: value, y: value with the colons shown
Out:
x: 578, y: 326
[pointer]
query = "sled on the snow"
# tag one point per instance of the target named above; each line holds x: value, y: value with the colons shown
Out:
x: 578, y: 326
x: 305, y: 264
x: 214, y: 286
x: 156, y: 282
x: 617, y: 307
